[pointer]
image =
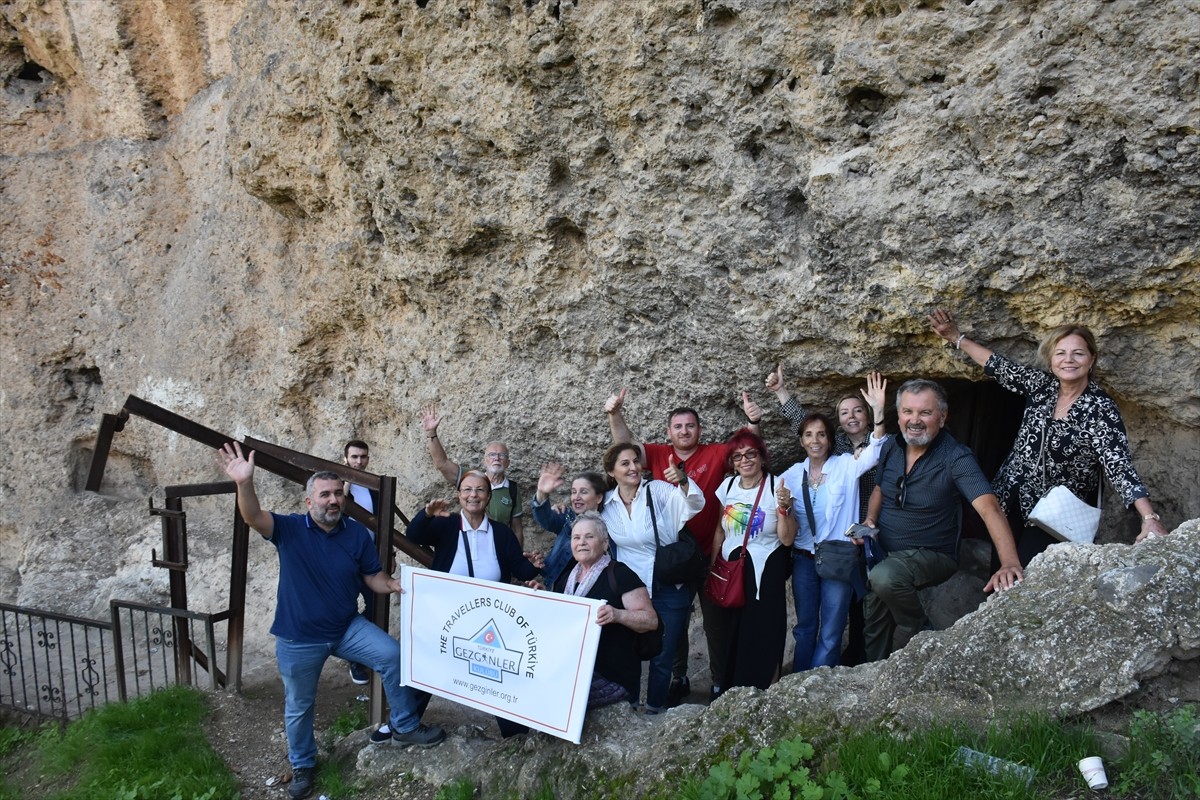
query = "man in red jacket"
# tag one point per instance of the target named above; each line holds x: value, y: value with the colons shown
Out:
x: 705, y: 464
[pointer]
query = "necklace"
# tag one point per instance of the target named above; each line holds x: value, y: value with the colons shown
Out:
x: 815, y: 480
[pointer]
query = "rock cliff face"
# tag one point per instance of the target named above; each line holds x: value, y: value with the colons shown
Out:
x: 303, y: 220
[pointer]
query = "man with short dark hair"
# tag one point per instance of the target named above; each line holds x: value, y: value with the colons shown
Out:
x: 924, y: 474
x: 357, y: 455
x: 323, y: 560
x: 505, y: 505
x: 705, y: 465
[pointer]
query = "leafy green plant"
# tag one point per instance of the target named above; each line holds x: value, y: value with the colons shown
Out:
x: 780, y: 773
x: 1164, y: 755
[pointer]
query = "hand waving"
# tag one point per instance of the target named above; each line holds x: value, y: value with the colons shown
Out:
x: 550, y: 479
x: 239, y: 469
x: 430, y: 419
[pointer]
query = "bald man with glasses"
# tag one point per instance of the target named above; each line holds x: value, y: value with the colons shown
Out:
x: 924, y: 474
x: 505, y: 505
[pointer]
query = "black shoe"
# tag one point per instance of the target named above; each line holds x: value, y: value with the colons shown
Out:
x: 678, y: 691
x: 302, y: 783
x: 381, y: 735
x: 359, y: 674
x: 714, y: 693
x: 421, y: 736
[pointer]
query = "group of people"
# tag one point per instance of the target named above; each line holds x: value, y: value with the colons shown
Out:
x: 861, y: 524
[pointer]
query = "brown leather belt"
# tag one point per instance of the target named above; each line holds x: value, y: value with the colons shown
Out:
x: 800, y: 551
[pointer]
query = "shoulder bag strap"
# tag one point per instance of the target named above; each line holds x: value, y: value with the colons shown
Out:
x: 466, y: 547
x: 812, y: 522
x: 653, y: 519
x: 753, y: 511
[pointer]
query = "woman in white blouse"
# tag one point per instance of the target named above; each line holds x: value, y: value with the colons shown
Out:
x: 633, y: 509
x: 825, y: 489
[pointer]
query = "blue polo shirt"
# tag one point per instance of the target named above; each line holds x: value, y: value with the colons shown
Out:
x: 320, y: 575
x: 933, y: 491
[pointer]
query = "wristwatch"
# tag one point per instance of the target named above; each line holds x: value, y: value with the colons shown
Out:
x: 1151, y: 516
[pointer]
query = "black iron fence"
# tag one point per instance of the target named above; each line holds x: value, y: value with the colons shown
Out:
x: 57, y: 666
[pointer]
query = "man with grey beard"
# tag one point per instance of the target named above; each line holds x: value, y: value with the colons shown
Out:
x: 923, y: 476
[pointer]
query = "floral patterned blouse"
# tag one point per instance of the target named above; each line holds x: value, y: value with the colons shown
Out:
x: 1068, y: 451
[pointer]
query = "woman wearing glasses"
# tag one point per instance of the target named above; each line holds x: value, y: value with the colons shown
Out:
x: 755, y: 528
x: 826, y: 504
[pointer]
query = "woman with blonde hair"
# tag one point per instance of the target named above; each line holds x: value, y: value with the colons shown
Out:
x: 1070, y: 433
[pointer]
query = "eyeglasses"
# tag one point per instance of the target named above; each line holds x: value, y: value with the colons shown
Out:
x: 901, y: 490
x: 749, y: 455
x: 496, y: 456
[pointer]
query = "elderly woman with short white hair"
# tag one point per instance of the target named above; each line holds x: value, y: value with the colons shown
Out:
x: 627, y: 612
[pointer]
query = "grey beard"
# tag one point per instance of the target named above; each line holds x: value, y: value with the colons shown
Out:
x: 918, y: 441
x: 329, y: 517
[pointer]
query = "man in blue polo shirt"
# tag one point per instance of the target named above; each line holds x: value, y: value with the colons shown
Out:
x: 917, y: 502
x: 324, y: 558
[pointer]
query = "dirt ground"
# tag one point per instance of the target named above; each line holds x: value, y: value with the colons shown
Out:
x: 247, y: 728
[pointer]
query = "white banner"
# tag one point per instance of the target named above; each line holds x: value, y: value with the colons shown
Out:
x: 510, y: 651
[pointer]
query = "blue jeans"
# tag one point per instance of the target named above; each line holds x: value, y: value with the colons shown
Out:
x: 822, y: 607
x: 300, y: 668
x: 672, y: 605
x: 806, y: 593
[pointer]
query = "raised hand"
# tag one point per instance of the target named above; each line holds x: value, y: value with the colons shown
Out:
x: 943, y: 325
x: 430, y: 419
x: 751, y: 409
x: 239, y: 469
x: 875, y: 394
x: 616, y: 402
x: 437, y: 508
x: 550, y: 479
x: 774, y: 382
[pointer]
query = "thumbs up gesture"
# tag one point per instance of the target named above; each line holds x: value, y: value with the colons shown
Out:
x: 674, y: 471
x: 783, y: 497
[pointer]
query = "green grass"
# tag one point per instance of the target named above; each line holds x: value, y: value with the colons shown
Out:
x: 154, y: 749
x: 934, y: 771
x: 147, y: 749
x: 354, y: 718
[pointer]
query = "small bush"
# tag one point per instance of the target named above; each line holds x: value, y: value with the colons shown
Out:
x: 1164, y: 755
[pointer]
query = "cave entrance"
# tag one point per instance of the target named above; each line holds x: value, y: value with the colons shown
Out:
x: 984, y: 416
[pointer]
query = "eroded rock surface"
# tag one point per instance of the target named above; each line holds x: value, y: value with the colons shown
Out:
x: 304, y: 220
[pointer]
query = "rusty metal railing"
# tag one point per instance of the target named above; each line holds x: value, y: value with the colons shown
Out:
x: 58, y: 666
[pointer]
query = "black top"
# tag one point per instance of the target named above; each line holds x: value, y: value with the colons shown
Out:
x: 923, y: 508
x: 615, y: 656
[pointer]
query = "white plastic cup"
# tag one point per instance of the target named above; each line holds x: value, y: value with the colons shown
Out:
x: 1092, y: 769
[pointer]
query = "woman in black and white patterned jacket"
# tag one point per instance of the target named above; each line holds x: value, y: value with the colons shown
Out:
x: 1070, y: 431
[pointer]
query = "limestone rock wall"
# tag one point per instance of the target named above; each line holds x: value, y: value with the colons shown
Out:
x: 303, y: 220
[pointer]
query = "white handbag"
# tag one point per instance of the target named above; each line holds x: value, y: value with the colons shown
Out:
x: 1065, y: 517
